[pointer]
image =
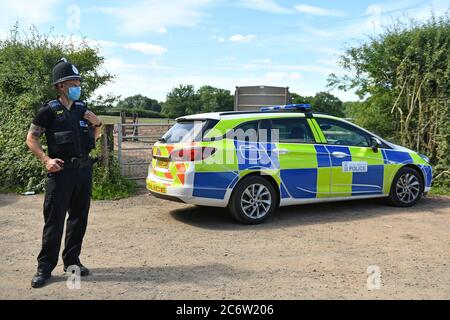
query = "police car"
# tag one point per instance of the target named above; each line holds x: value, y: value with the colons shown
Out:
x: 253, y: 162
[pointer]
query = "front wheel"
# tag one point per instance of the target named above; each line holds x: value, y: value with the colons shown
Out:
x: 253, y: 200
x: 406, y: 189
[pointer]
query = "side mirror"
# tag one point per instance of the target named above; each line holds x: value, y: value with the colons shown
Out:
x: 375, y: 143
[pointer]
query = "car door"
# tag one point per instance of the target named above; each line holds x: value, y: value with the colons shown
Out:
x: 300, y: 173
x: 356, y: 168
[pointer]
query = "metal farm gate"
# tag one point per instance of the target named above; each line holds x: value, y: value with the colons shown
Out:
x: 134, y: 145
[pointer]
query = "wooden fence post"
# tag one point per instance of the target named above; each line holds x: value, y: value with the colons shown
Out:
x: 123, y: 120
x: 107, y: 145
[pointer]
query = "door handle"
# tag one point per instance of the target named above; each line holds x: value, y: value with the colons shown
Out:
x: 338, y: 154
x: 281, y: 151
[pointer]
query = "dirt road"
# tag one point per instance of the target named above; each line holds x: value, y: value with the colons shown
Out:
x: 147, y: 248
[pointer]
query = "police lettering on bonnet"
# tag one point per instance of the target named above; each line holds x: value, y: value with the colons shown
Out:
x: 71, y: 131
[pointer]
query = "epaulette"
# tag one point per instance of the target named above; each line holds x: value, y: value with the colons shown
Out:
x: 80, y: 104
x: 56, y: 107
x: 54, y: 104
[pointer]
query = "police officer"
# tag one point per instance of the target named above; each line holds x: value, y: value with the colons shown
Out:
x: 71, y: 130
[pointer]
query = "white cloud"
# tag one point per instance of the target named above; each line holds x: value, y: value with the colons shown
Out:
x: 156, y: 16
x: 263, y: 5
x: 146, y: 48
x: 26, y: 13
x: 107, y: 48
x: 317, y: 11
x: 117, y: 66
x: 241, y: 38
x: 237, y: 38
x: 37, y: 11
x: 162, y: 30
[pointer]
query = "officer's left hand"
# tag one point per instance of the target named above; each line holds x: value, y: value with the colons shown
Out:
x: 92, y: 118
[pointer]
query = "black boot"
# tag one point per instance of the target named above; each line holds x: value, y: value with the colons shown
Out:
x: 39, y: 279
x: 83, y: 270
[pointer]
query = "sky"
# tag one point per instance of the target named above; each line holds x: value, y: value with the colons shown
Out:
x: 152, y: 46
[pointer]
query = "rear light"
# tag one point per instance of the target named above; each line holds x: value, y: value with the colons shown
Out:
x: 191, y: 154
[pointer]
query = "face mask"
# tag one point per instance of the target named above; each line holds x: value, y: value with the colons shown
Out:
x: 74, y: 93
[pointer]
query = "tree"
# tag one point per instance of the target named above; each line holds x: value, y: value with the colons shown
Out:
x: 322, y: 102
x: 298, y: 99
x: 102, y: 104
x: 404, y: 76
x: 215, y: 99
x: 139, y: 102
x: 26, y: 64
x: 182, y: 100
x: 328, y: 103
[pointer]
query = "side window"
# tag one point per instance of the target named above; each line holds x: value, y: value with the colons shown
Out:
x: 292, y: 130
x: 247, y: 131
x: 340, y: 133
x: 250, y: 125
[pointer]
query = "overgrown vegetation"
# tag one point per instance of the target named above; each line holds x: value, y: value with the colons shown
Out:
x: 26, y: 63
x: 403, y: 75
x: 108, y: 183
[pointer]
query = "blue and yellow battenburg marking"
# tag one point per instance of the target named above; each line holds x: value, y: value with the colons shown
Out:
x: 308, y: 171
x: 311, y: 171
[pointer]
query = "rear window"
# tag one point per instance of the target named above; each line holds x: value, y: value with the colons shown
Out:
x: 188, y: 131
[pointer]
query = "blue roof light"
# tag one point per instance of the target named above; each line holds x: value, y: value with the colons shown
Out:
x: 296, y: 107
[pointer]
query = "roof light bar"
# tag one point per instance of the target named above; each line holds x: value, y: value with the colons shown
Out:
x: 295, y: 107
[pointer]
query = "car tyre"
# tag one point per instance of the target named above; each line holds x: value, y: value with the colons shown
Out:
x: 406, y: 189
x: 253, y: 200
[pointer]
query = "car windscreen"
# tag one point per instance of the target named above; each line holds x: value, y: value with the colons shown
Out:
x: 187, y: 131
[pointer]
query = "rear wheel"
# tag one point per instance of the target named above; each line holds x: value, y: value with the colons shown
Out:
x: 253, y: 200
x: 406, y: 189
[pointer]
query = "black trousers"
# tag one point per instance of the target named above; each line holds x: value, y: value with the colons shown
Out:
x: 68, y: 191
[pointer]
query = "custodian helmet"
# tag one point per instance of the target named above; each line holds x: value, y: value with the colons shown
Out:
x: 63, y: 71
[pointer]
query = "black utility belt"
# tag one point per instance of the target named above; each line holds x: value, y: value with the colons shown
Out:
x: 77, y: 163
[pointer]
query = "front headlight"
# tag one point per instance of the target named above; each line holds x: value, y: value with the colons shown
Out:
x: 424, y: 157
